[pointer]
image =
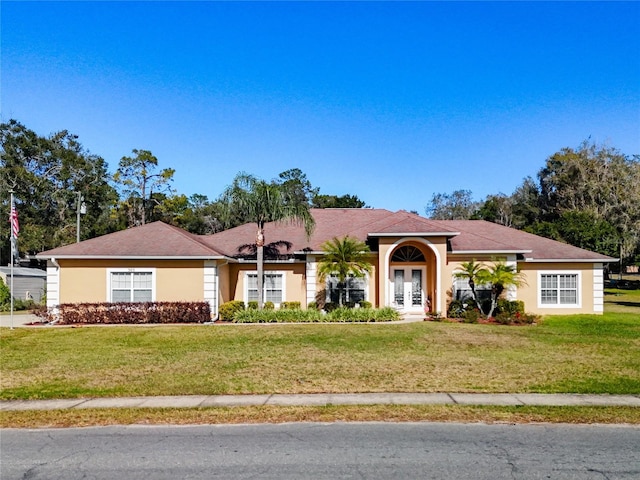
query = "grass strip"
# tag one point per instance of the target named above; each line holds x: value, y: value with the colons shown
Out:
x: 350, y: 413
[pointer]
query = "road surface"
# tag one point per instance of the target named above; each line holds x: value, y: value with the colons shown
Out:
x: 323, y: 451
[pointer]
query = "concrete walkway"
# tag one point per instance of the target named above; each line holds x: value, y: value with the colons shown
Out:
x: 324, y: 399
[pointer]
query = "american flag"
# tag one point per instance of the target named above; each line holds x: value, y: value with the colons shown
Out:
x: 13, y: 218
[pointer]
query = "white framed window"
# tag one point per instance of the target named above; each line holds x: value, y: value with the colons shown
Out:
x: 355, y: 289
x: 131, y: 285
x: 559, y: 289
x: 273, y: 287
x: 462, y: 290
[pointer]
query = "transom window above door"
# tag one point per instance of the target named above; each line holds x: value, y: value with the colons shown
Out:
x: 408, y: 253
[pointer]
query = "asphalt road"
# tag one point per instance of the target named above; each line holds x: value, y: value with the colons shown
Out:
x: 323, y: 451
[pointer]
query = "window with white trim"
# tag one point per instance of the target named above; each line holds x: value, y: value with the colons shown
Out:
x: 559, y: 289
x: 354, y: 290
x: 462, y: 290
x: 273, y: 287
x: 131, y: 285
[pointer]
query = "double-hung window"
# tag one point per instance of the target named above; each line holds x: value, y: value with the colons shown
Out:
x: 273, y: 287
x: 131, y: 285
x: 559, y: 289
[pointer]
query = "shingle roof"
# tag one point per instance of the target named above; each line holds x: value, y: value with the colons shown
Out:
x: 160, y: 240
x: 480, y: 235
x: 464, y: 235
x: 330, y: 222
x: 153, y: 240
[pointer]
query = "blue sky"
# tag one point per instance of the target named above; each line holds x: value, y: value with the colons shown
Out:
x: 389, y: 101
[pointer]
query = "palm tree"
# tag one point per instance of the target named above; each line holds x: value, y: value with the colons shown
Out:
x: 472, y: 272
x: 255, y: 201
x: 500, y: 276
x: 271, y: 250
x: 343, y: 258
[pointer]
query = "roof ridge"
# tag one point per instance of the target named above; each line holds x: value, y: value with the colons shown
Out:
x: 404, y: 215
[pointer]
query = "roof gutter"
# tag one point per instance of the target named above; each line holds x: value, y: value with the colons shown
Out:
x: 571, y: 260
x: 414, y: 234
x: 488, y: 252
x: 129, y: 257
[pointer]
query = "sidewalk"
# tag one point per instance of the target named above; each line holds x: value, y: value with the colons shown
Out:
x: 325, y: 399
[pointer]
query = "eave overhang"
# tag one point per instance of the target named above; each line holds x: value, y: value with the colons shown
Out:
x: 132, y: 257
x: 414, y: 234
x: 571, y: 260
x: 489, y: 252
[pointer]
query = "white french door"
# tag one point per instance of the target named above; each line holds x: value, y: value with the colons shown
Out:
x: 408, y: 288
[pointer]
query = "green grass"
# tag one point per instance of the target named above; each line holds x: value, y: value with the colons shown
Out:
x: 575, y: 353
x: 351, y: 413
x: 617, y: 300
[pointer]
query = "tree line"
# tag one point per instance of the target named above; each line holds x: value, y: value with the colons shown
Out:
x: 587, y: 196
x: 55, y: 179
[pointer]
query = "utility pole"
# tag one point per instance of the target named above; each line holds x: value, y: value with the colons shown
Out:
x: 81, y: 209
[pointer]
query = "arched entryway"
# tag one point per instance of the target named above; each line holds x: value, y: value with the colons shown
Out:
x: 412, y: 277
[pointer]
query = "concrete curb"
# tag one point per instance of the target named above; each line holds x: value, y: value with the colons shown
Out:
x: 326, y: 399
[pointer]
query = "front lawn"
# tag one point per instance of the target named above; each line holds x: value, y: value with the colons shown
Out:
x: 583, y: 354
x: 622, y: 300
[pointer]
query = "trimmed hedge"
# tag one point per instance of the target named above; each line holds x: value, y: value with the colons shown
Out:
x: 343, y: 315
x: 134, y: 313
x: 228, y: 309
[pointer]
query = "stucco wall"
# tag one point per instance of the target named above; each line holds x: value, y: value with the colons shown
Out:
x: 372, y: 294
x: 295, y: 280
x: 528, y: 292
x: 224, y: 282
x: 86, y: 280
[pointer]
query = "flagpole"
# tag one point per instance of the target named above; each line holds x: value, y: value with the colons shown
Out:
x: 13, y: 243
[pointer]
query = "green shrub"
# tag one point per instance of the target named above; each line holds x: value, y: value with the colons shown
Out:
x: 277, y: 316
x: 312, y: 306
x: 510, y: 307
x: 252, y: 305
x: 5, y: 293
x: 342, y: 315
x: 290, y: 306
x: 228, y: 309
x: 365, y: 304
x: 269, y: 306
x: 516, y: 318
x: 471, y: 316
x: 457, y: 309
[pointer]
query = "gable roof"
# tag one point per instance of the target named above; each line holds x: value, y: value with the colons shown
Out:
x: 152, y: 240
x: 159, y: 240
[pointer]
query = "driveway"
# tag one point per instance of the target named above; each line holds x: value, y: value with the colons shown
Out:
x: 19, y: 319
